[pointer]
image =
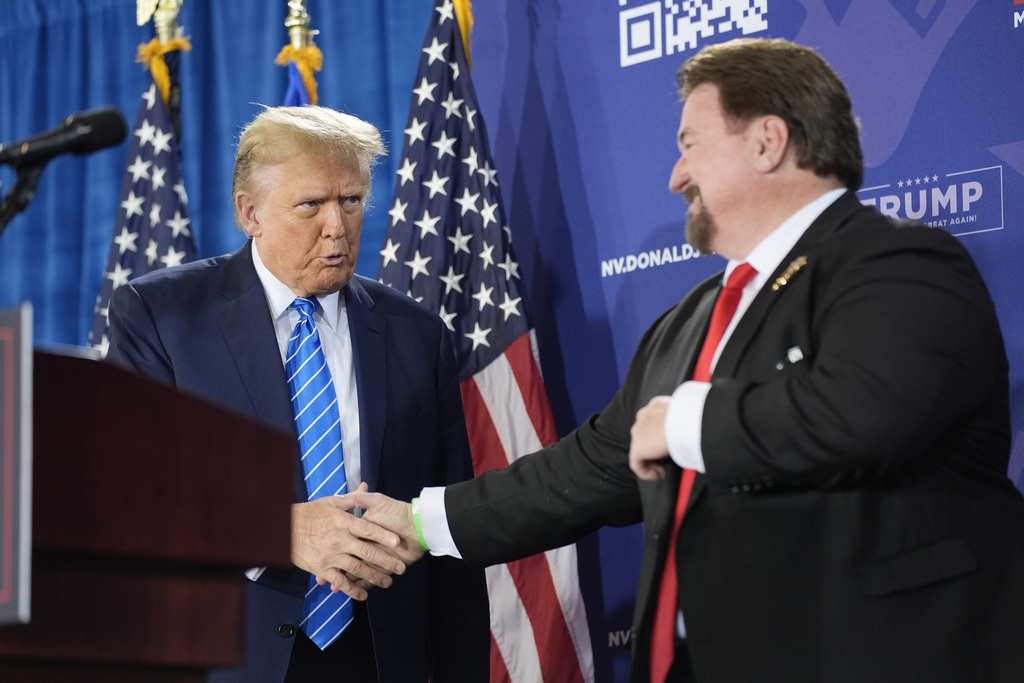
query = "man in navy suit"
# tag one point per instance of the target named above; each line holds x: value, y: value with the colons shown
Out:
x: 220, y: 327
x: 838, y: 451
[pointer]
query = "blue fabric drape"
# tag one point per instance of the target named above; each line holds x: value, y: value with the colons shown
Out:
x: 58, y: 57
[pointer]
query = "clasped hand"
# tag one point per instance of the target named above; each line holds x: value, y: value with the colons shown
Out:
x: 353, y: 553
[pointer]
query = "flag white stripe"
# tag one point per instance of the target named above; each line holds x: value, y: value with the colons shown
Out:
x: 510, y: 626
x: 501, y: 395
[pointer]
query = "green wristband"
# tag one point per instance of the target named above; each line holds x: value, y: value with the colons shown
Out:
x: 416, y: 523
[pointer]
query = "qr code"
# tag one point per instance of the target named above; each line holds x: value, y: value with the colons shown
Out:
x: 659, y: 29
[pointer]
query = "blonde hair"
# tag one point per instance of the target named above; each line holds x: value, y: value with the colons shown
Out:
x: 278, y: 133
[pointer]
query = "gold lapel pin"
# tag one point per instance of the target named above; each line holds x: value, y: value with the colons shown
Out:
x: 787, y: 275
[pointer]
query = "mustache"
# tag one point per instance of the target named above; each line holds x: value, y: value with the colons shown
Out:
x: 691, y: 193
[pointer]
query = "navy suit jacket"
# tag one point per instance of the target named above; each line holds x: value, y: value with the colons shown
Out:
x: 205, y: 328
x: 855, y: 522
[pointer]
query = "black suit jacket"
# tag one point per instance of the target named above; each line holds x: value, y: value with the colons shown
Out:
x: 855, y: 522
x: 205, y: 328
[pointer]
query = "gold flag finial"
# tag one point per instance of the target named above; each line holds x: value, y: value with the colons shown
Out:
x: 164, y: 14
x: 298, y: 23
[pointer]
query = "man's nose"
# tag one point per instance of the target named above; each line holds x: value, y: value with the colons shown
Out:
x: 678, y: 179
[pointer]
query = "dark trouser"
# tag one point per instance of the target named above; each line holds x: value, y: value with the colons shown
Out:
x: 682, y: 669
x: 348, y: 659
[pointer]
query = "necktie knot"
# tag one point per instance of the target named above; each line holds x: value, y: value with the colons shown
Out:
x: 740, y: 277
x: 305, y: 307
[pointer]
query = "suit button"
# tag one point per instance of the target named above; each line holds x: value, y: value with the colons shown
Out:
x: 286, y: 630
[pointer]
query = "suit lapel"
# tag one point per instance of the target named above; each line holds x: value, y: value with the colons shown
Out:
x: 249, y: 332
x: 369, y: 356
x: 775, y: 288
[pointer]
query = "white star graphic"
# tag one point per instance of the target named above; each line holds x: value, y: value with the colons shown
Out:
x: 151, y: 252
x: 425, y: 92
x: 132, y: 205
x: 158, y: 177
x: 510, y: 306
x: 160, y: 142
x: 415, y: 130
x: 172, y: 257
x: 468, y: 201
x: 470, y: 113
x: 455, y: 70
x: 483, y: 297
x: 103, y: 346
x: 140, y: 169
x: 471, y: 161
x: 486, y: 256
x: 451, y: 106
x: 444, y: 145
x: 447, y: 318
x: 397, y: 212
x: 435, y: 51
x: 146, y: 132
x: 490, y: 175
x: 418, y: 265
x: 179, y: 225
x: 436, y: 185
x: 451, y: 281
x: 150, y: 96
x: 179, y: 188
x: 119, y: 275
x: 154, y: 215
x: 427, y: 224
x: 405, y: 173
x: 126, y: 241
x: 510, y: 267
x: 487, y: 212
x: 390, y: 252
x: 478, y: 336
x: 459, y: 241
x: 446, y: 11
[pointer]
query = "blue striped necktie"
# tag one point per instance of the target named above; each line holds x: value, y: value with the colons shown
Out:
x: 324, y: 614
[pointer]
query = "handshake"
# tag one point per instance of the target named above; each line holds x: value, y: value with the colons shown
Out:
x: 351, y: 553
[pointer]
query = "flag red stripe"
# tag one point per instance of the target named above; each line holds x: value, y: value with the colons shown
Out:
x: 532, y: 576
x: 531, y: 386
x: 499, y: 672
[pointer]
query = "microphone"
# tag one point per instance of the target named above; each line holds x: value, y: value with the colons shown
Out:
x: 81, y: 133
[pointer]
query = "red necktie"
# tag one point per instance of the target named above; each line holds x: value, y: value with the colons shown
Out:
x: 663, y: 635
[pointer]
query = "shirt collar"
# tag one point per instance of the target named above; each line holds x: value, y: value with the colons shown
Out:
x: 280, y: 297
x: 767, y: 255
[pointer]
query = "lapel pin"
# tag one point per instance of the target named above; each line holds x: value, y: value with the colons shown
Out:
x: 791, y: 270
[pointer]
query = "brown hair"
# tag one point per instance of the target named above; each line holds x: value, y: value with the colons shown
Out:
x: 758, y: 77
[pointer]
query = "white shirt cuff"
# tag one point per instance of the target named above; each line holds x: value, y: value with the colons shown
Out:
x: 683, y: 424
x: 434, y: 523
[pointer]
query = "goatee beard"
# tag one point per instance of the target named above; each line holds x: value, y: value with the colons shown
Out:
x: 700, y: 226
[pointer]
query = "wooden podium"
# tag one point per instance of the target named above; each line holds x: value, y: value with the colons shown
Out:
x: 148, y: 504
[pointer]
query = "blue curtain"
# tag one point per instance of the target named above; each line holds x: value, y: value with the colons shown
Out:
x: 58, y: 57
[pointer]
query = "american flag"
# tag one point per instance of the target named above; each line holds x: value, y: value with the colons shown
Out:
x: 152, y: 229
x: 448, y: 245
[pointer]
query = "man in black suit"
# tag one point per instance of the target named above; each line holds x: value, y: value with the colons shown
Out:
x: 221, y: 328
x: 836, y: 446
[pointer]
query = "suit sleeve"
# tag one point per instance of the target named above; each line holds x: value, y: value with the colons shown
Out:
x: 559, y: 494
x: 459, y: 613
x: 134, y: 338
x: 902, y: 349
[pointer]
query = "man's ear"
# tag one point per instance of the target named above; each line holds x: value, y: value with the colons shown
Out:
x: 245, y: 206
x: 772, y: 136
